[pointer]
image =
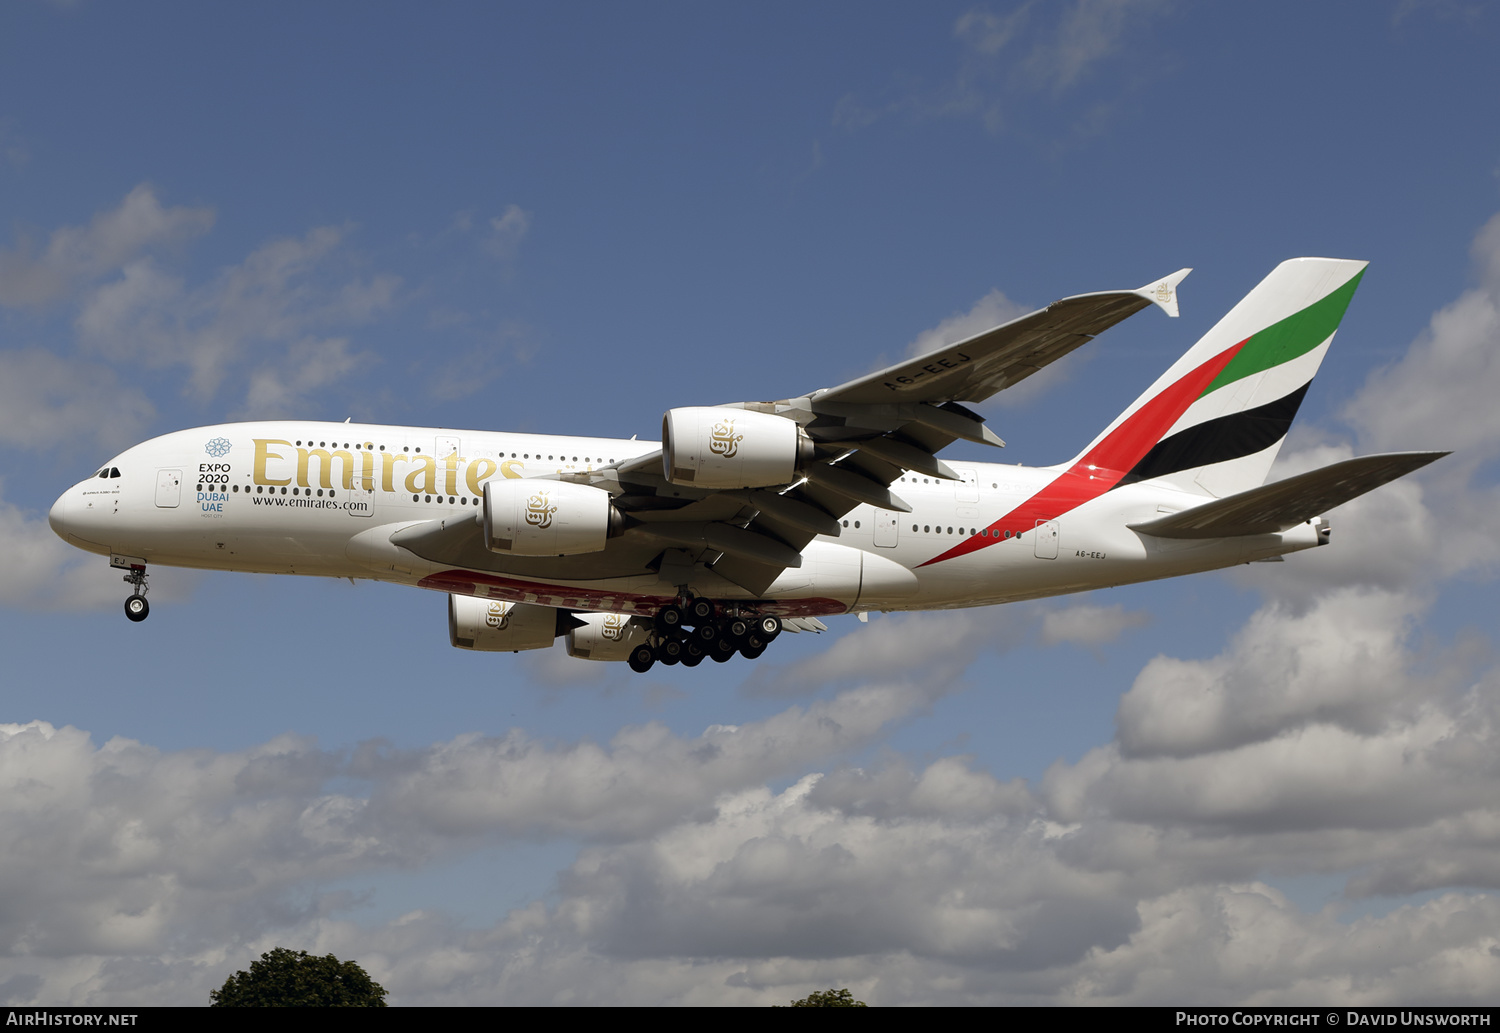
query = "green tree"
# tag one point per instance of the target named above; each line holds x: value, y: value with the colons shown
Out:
x: 285, y: 978
x: 829, y: 999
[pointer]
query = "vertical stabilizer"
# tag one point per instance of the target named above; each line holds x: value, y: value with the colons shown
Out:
x: 1214, y: 422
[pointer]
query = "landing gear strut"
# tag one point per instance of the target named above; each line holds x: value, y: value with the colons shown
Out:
x: 136, y: 607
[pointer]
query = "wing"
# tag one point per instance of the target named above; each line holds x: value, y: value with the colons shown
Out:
x: 974, y: 369
x: 869, y: 431
x: 864, y: 433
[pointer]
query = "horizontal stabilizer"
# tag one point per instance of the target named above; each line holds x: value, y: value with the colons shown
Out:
x: 1273, y: 508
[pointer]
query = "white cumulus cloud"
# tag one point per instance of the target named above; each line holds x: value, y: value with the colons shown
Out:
x: 75, y: 254
x: 281, y: 299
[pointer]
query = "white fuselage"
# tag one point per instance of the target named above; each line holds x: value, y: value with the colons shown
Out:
x: 325, y: 498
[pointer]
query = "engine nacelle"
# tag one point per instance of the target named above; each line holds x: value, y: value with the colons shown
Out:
x: 494, y: 626
x: 707, y: 447
x: 547, y: 518
x: 606, y: 636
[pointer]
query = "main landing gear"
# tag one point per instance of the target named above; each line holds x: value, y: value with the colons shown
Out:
x: 136, y: 607
x: 697, y: 629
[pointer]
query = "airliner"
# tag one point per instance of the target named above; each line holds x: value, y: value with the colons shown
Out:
x: 752, y: 518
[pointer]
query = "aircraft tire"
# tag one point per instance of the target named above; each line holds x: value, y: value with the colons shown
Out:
x: 641, y: 659
x: 136, y: 608
x: 722, y: 656
x: 701, y: 611
x: 750, y: 652
x: 692, y: 661
x: 670, y: 651
x: 707, y: 634
x: 738, y: 628
x: 768, y: 627
x: 669, y: 619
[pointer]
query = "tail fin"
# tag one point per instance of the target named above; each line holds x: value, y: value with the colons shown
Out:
x: 1213, y: 422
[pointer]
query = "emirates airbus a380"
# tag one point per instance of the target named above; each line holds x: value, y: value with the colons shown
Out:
x: 756, y: 517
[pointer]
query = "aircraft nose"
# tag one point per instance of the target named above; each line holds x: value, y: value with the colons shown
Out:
x: 74, y: 521
x: 57, y: 516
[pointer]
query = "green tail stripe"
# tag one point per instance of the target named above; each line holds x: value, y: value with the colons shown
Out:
x: 1297, y: 334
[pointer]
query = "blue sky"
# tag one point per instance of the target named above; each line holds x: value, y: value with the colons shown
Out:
x: 570, y: 217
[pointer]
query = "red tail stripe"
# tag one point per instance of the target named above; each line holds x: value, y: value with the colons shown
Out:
x: 1101, y: 468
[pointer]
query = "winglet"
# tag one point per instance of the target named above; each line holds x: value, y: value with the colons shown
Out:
x: 1163, y: 292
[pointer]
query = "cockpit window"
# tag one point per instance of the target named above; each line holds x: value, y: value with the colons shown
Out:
x: 104, y: 473
x: 114, y: 471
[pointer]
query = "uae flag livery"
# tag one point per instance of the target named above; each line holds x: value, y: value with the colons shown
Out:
x: 1213, y: 423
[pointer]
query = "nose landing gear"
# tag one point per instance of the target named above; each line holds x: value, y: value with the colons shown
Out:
x: 136, y: 607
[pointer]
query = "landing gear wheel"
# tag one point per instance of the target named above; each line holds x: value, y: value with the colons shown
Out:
x: 750, y: 652
x: 669, y: 619
x: 722, y: 652
x: 689, y: 660
x: 641, y: 659
x: 707, y: 634
x: 693, y: 652
x: 670, y: 651
x: 136, y: 607
x: 768, y: 627
x: 701, y: 611
x: 738, y: 628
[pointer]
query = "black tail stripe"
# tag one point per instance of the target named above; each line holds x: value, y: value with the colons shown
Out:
x: 1219, y: 440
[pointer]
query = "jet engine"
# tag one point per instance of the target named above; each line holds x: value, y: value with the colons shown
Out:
x: 606, y: 636
x: 706, y: 447
x: 498, y: 627
x: 547, y: 518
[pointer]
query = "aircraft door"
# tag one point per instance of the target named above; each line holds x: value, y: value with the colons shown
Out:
x: 1046, y: 539
x: 168, y: 488
x: 886, y: 528
x: 359, y: 503
x: 967, y: 488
